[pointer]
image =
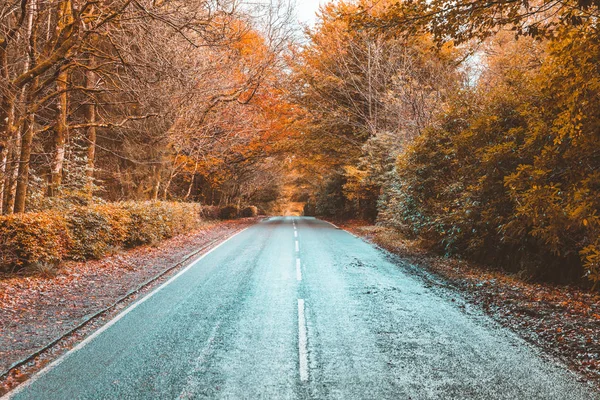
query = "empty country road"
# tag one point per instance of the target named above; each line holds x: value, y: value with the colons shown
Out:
x: 293, y: 308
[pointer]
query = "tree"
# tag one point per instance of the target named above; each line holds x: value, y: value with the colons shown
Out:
x: 359, y: 87
x: 462, y: 21
x: 79, y: 99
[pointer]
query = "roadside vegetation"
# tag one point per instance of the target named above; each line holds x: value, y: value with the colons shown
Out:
x: 124, y: 123
x: 472, y: 126
x: 41, y: 241
x: 125, y: 100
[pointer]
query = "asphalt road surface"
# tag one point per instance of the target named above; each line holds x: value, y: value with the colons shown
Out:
x: 293, y: 308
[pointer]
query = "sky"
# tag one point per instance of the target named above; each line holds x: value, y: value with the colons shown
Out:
x: 306, y: 10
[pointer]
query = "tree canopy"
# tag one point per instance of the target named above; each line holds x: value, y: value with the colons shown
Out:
x: 472, y: 125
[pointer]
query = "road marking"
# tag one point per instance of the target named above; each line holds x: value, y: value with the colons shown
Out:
x: 302, y: 342
x: 334, y: 225
x: 337, y: 227
x: 297, y: 246
x: 295, y: 234
x: 298, y: 270
x: 110, y: 323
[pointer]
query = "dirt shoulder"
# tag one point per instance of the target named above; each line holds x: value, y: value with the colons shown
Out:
x: 563, y: 321
x: 37, y: 310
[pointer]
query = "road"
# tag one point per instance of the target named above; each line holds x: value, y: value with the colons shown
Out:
x: 293, y: 308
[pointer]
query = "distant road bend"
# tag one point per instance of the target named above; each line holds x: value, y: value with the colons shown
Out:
x: 293, y: 308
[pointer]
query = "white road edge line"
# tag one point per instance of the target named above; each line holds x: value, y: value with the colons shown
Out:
x: 332, y: 224
x: 110, y: 323
x: 297, y: 246
x: 337, y: 227
x: 302, y: 342
x: 298, y: 270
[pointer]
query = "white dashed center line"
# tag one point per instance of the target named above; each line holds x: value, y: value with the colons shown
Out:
x: 297, y: 246
x: 302, y: 342
x: 298, y: 270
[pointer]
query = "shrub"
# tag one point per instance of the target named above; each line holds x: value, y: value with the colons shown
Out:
x: 35, y: 240
x: 229, y: 212
x: 96, y: 230
x: 250, y: 212
x: 510, y: 175
x: 42, y: 240
x: 210, y: 212
x: 152, y: 221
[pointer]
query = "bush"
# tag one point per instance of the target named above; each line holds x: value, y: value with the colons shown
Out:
x: 210, y: 212
x: 96, y: 230
x: 511, y: 176
x: 36, y: 240
x: 250, y: 212
x: 42, y: 240
x: 229, y: 212
x: 151, y: 222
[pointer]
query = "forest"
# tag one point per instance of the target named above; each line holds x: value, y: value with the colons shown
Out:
x: 474, y: 126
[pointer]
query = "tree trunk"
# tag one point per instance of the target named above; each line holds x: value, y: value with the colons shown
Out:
x: 65, y: 19
x: 167, y: 186
x: 155, y: 182
x: 90, y: 118
x: 60, y: 135
x: 6, y: 123
x: 23, y: 174
x: 12, y: 173
x: 12, y: 150
x: 5, y: 105
x: 22, y: 178
x: 189, y: 191
x: 3, y: 160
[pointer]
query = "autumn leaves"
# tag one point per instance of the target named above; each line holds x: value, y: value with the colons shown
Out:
x: 136, y: 100
x: 473, y: 126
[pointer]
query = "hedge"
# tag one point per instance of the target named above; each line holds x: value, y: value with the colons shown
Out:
x: 152, y: 222
x: 250, y: 212
x: 229, y: 212
x: 96, y: 230
x: 33, y: 240
x: 44, y: 239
